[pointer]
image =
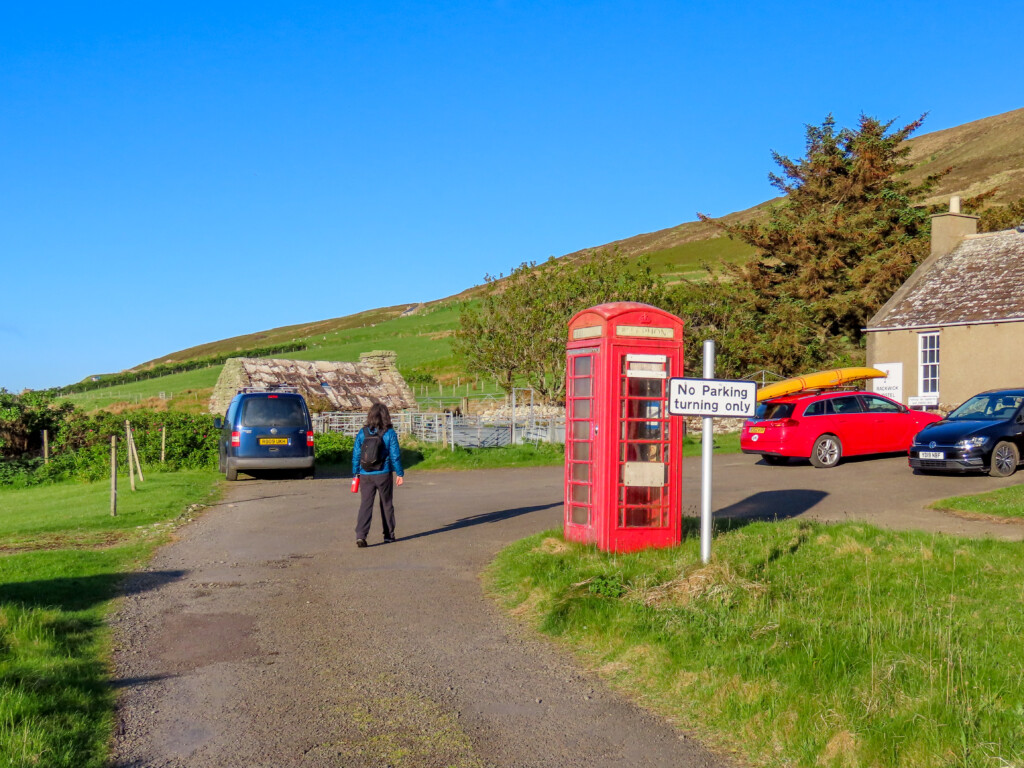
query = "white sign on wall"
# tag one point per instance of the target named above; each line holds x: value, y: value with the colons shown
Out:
x: 892, y: 384
x: 712, y: 397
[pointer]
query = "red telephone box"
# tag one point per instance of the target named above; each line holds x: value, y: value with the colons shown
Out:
x: 623, y: 461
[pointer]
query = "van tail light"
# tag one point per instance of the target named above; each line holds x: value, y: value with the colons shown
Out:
x: 236, y: 439
x: 785, y: 423
x: 309, y: 439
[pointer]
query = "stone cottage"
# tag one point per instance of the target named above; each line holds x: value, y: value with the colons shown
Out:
x: 956, y: 327
x: 347, y: 386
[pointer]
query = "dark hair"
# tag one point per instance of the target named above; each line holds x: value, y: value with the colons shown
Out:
x: 379, y: 418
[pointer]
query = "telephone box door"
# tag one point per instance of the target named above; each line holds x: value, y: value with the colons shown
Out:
x: 580, y: 434
x: 647, y: 502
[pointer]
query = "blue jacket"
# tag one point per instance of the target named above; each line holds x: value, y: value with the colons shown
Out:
x: 393, y: 460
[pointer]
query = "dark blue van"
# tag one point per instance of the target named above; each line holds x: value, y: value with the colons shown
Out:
x: 266, y: 430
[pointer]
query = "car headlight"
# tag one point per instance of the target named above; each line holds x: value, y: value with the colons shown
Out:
x: 971, y: 442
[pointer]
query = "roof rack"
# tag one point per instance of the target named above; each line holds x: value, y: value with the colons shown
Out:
x: 819, y: 390
x: 270, y: 388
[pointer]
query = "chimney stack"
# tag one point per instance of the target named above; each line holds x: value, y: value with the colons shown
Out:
x: 948, y: 229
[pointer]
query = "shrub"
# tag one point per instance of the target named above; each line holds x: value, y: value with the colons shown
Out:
x: 333, y: 448
x: 81, y: 446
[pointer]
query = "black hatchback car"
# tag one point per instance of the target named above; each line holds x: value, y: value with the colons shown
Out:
x: 985, y: 434
x: 266, y: 430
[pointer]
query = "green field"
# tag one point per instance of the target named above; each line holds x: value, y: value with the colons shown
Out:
x: 177, y: 386
x: 800, y: 644
x: 62, y: 559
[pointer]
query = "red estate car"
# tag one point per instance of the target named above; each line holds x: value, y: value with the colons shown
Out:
x: 825, y: 426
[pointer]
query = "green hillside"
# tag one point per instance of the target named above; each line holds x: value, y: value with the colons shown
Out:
x: 422, y: 341
x: 687, y: 260
x: 283, y: 335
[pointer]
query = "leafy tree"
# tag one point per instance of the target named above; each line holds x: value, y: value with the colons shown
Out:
x: 847, y: 234
x: 518, y: 330
x: 23, y: 417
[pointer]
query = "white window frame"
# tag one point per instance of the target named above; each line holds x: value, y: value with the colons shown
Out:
x: 932, y: 354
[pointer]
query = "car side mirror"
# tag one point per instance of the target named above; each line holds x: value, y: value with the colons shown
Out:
x: 218, y: 424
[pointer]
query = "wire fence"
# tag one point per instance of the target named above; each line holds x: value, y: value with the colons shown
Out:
x: 449, y: 429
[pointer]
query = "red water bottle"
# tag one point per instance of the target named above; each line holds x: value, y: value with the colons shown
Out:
x: 355, y: 484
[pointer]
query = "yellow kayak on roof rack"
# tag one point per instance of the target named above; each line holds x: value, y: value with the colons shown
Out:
x: 819, y: 380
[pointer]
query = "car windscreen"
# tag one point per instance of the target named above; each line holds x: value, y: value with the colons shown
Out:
x: 774, y: 411
x: 992, y: 406
x: 273, y: 412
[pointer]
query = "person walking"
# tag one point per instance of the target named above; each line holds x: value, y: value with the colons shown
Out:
x: 375, y: 456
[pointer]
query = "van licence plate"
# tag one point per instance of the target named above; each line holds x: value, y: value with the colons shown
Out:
x: 932, y: 455
x: 273, y: 441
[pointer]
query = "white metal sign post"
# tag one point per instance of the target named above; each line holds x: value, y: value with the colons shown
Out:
x: 710, y: 397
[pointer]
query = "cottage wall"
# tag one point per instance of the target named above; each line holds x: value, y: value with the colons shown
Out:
x: 972, y: 358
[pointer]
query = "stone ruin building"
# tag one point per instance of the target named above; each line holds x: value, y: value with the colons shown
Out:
x: 347, y: 386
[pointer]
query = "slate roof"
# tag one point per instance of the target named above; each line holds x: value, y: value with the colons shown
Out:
x: 348, y: 386
x: 980, y: 281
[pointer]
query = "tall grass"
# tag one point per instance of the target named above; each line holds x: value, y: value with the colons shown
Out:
x: 800, y: 644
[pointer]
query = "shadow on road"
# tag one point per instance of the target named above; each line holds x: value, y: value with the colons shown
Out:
x: 78, y: 593
x: 236, y: 502
x: 131, y: 682
x: 486, y: 517
x: 770, y: 505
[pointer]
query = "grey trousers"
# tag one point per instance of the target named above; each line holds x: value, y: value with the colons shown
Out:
x: 370, y: 486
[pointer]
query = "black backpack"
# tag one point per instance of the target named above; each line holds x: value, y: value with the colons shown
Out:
x: 373, y: 454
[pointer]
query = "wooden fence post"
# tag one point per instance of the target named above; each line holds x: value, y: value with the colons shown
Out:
x: 163, y: 443
x: 46, y: 446
x: 113, y: 475
x: 135, y: 453
x: 128, y: 450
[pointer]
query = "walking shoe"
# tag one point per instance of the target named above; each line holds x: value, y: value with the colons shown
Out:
x: 389, y: 539
x: 360, y: 542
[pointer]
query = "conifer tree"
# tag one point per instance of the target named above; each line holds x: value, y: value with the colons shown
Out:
x: 848, y: 232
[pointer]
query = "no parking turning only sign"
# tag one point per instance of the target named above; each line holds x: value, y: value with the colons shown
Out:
x: 712, y: 397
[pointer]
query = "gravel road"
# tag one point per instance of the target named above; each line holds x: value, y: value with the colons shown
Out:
x: 263, y: 637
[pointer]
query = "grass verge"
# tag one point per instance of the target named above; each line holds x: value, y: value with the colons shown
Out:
x: 62, y: 559
x: 800, y: 644
x: 727, y: 443
x: 527, y: 455
x: 434, y: 456
x: 1005, y: 503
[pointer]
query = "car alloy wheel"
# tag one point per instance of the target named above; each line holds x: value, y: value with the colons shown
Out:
x: 1005, y: 458
x: 826, y: 452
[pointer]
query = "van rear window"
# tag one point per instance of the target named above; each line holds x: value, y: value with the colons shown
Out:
x: 774, y: 411
x: 276, y: 412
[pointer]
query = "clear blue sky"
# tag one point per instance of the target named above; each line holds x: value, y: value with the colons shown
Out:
x: 179, y: 173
